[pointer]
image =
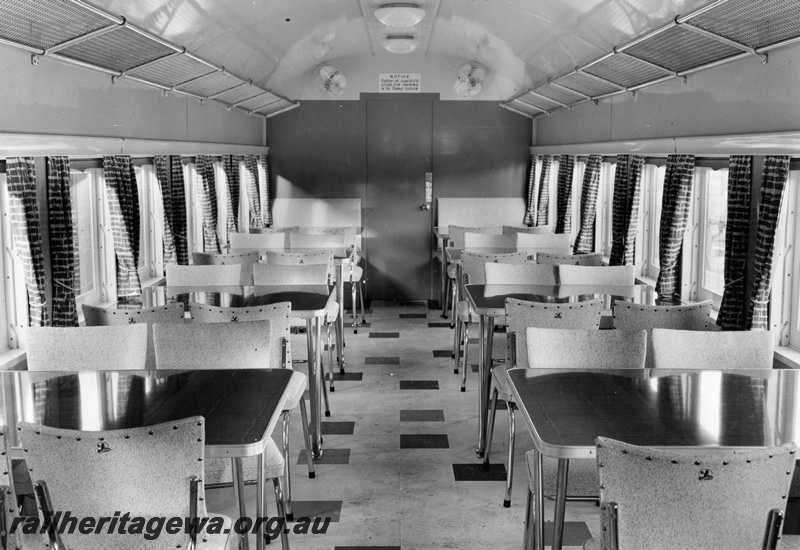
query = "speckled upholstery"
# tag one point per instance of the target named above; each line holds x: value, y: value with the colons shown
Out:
x: 472, y: 264
x: 348, y: 232
x: 204, y: 275
x: 552, y: 348
x: 245, y: 259
x: 145, y: 472
x: 278, y: 274
x: 543, y: 240
x: 520, y: 274
x: 305, y: 240
x: 258, y: 241
x: 482, y: 240
x: 691, y: 349
x: 303, y: 258
x: 690, y: 500
x: 596, y: 275
x: 170, y: 313
x: 122, y: 347
x: 11, y: 511
x: 629, y: 316
x: 456, y: 233
x: 547, y: 258
x: 508, y: 229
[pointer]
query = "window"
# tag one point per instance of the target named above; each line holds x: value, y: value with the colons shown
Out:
x: 194, y: 214
x: 7, y: 271
x: 603, y: 220
x: 85, y: 195
x: 652, y: 190
x: 713, y: 217
x: 577, y: 193
x: 151, y: 224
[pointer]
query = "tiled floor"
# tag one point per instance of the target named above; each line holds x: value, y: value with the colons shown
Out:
x: 402, y: 473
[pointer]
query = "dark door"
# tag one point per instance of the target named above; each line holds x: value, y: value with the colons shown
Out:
x: 398, y: 230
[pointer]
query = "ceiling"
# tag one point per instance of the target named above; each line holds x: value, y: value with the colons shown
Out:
x: 278, y: 45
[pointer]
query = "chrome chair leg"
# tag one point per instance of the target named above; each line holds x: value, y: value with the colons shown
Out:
x: 282, y: 517
x: 309, y: 458
x: 286, y: 472
x: 353, y: 292
x: 456, y: 347
x: 511, y: 440
x: 465, y: 360
x: 527, y: 538
x: 453, y: 306
x: 330, y: 360
x: 325, y: 388
x: 490, y: 429
x: 361, y: 301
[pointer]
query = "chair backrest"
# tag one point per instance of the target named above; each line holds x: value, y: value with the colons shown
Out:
x: 122, y: 347
x: 561, y: 348
x: 548, y: 258
x: 245, y: 259
x: 303, y: 258
x: 170, y: 313
x: 279, y: 316
x: 509, y: 229
x: 147, y: 472
x: 456, y: 233
x: 628, y: 316
x: 482, y: 240
x: 472, y: 264
x: 204, y: 275
x: 668, y: 499
x: 198, y: 346
x: 558, y: 242
x: 520, y: 274
x: 348, y: 232
x: 278, y: 274
x: 329, y: 240
x: 521, y: 314
x: 258, y: 241
x: 292, y: 229
x: 699, y: 349
x: 8, y: 497
x: 594, y: 275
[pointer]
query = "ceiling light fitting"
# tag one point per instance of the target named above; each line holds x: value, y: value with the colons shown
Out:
x: 400, y: 16
x: 400, y: 43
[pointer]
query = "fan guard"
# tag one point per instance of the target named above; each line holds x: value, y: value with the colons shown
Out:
x: 469, y: 79
x: 330, y: 80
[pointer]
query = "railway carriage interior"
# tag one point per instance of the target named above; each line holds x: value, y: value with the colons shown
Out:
x: 632, y: 167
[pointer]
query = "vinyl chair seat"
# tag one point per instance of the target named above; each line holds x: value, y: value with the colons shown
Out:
x: 452, y: 271
x: 218, y: 470
x: 297, y: 387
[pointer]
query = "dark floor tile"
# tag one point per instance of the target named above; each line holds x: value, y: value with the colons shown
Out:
x: 347, y: 376
x: 337, y: 428
x: 501, y: 405
x: 442, y: 353
x: 791, y: 524
x: 443, y: 324
x: 473, y: 340
x: 421, y: 415
x: 384, y: 335
x: 329, y: 456
x: 475, y: 367
x: 434, y: 304
x: 419, y: 384
x: 381, y: 360
x: 349, y: 324
x: 424, y: 441
x: 477, y: 472
x: 317, y: 509
x: 575, y: 533
x: 413, y: 315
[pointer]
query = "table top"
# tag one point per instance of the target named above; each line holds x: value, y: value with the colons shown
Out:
x: 691, y: 409
x: 307, y: 300
x: 491, y: 299
x: 241, y: 406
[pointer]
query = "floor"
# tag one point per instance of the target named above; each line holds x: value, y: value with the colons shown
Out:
x: 399, y: 441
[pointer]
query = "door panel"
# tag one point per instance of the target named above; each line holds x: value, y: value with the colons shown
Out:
x: 399, y: 151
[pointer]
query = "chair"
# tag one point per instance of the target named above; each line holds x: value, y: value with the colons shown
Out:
x: 170, y: 313
x: 121, y: 347
x: 258, y: 241
x: 149, y: 472
x: 547, y: 258
x: 520, y: 274
x: 593, y: 275
x: 245, y: 259
x: 520, y: 315
x: 473, y: 272
x: 278, y: 316
x: 9, y: 505
x: 655, y: 498
x: 481, y: 240
x: 558, y: 242
x: 693, y: 349
x: 284, y: 230
x: 628, y: 316
x: 265, y: 273
x: 303, y: 258
x: 509, y: 229
x: 456, y: 233
x: 350, y: 233
x: 204, y: 275
x: 325, y: 241
x: 561, y: 348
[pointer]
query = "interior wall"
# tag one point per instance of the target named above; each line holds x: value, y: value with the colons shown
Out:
x: 742, y: 97
x: 57, y: 98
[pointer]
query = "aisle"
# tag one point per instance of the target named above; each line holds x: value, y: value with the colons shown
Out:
x: 400, y: 432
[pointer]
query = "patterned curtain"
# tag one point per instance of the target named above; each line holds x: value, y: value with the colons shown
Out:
x: 566, y: 170
x: 123, y: 201
x: 544, y: 191
x: 62, y: 243
x: 584, y: 243
x: 207, y: 192
x: 266, y: 208
x: 627, y: 190
x: 162, y: 175
x: 253, y: 195
x: 675, y: 203
x: 732, y: 314
x: 231, y: 165
x: 24, y: 212
x: 773, y: 181
x: 530, y: 210
x: 178, y: 193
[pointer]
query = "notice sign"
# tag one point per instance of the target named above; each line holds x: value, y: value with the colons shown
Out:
x: 399, y: 82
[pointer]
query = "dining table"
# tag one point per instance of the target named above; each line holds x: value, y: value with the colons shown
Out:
x: 241, y: 407
x: 689, y: 411
x: 309, y: 303
x: 489, y: 302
